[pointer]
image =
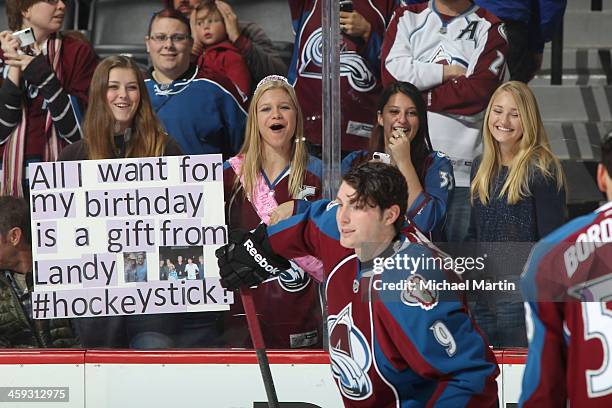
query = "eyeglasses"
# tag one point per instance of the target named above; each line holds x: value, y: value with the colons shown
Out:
x: 175, y: 38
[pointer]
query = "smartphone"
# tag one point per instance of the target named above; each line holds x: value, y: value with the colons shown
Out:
x: 346, y: 5
x: 26, y: 39
x: 383, y: 157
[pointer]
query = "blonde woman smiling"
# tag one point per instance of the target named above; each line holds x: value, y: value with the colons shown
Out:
x: 517, y: 195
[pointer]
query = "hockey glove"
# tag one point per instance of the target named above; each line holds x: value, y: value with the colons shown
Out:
x: 248, y: 259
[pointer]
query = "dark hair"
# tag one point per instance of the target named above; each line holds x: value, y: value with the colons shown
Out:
x: 381, y: 185
x: 170, y: 13
x: 420, y: 147
x: 606, y: 153
x: 14, y: 212
x: 14, y: 12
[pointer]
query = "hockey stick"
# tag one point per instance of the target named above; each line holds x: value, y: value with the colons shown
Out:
x: 246, y: 294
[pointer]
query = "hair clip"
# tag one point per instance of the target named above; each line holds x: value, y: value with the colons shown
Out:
x: 271, y: 78
x: 300, y: 139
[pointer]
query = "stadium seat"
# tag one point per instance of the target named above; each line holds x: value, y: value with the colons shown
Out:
x: 119, y: 26
x: 586, y: 4
x: 574, y: 103
x: 576, y: 140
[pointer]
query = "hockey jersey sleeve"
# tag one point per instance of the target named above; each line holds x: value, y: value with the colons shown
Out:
x: 61, y: 105
x: 429, y: 333
x: 398, y: 63
x: 261, y: 56
x: 469, y: 95
x: 544, y: 376
x: 300, y: 234
x: 10, y: 108
x: 429, y: 208
x: 372, y: 49
x: 234, y: 121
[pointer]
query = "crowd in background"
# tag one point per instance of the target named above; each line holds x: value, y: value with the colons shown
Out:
x: 422, y: 87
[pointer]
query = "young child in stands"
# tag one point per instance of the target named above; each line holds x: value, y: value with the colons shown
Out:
x: 219, y: 53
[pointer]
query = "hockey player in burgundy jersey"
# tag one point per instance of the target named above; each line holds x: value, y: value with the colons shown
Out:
x: 389, y: 348
x: 359, y: 66
x: 567, y: 285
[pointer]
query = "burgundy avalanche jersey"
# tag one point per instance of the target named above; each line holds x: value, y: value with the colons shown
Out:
x: 397, y: 347
x: 359, y: 69
x: 288, y: 306
x: 567, y: 284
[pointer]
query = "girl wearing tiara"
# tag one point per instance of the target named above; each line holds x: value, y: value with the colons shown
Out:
x: 274, y: 167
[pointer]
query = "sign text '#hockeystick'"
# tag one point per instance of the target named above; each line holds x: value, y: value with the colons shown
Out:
x: 106, y: 231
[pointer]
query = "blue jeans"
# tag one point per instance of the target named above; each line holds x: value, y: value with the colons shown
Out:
x: 458, y: 215
x: 501, y: 317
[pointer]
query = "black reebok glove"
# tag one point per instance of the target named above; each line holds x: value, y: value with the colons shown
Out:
x: 248, y: 259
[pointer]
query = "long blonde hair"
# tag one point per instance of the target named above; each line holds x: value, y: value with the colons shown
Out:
x: 252, y: 149
x: 148, y: 136
x: 533, y: 155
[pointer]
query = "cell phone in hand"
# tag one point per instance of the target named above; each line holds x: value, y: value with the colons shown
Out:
x: 26, y: 39
x: 346, y: 5
x: 382, y: 157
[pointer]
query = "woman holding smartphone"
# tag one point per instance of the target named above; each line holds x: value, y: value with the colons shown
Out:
x: 401, y: 138
x: 44, y: 90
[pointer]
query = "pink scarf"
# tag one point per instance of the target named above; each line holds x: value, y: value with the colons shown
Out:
x: 264, y: 203
x: 13, y: 158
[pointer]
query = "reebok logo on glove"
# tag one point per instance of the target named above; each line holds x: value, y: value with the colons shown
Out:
x: 261, y: 261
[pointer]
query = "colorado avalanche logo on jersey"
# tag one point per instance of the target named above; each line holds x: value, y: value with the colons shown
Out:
x: 293, y: 279
x: 352, y: 65
x: 350, y: 356
x: 441, y: 55
x: 417, y: 293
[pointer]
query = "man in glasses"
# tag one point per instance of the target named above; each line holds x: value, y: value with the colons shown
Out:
x: 183, y: 95
x: 567, y: 285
